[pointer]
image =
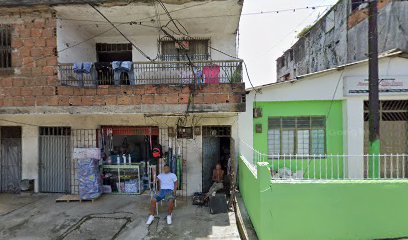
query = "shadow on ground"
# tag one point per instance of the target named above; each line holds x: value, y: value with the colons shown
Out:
x: 110, y: 217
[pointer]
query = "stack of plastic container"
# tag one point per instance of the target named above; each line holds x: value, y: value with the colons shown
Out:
x: 90, y: 182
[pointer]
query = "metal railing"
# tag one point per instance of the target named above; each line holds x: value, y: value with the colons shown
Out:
x: 176, y: 72
x: 330, y: 166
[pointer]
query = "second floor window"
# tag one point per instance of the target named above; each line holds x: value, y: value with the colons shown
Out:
x: 296, y: 135
x: 195, y: 49
x: 5, y: 47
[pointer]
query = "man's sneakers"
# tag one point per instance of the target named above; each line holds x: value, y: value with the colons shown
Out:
x: 150, y: 220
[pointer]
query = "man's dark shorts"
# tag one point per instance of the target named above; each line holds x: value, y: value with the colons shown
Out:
x: 164, y: 194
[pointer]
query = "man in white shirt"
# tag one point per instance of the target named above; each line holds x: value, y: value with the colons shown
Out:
x: 167, y: 184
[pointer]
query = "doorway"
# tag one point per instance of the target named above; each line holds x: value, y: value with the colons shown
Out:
x: 55, y: 157
x: 10, y: 159
x: 393, y: 134
x: 216, y: 149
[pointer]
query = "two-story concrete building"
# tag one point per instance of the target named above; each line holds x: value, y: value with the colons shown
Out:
x: 119, y: 76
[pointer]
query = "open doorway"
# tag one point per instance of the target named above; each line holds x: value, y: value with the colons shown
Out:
x: 216, y: 149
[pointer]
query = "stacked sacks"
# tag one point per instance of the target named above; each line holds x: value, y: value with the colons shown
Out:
x: 90, y: 183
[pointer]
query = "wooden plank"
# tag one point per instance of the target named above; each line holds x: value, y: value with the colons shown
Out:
x: 72, y: 198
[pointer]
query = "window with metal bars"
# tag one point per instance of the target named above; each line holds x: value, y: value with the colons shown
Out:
x: 196, y: 49
x: 5, y: 48
x: 390, y: 110
x: 217, y: 131
x: 55, y: 131
x: 296, y: 135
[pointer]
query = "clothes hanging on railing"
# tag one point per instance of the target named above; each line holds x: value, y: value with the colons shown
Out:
x: 211, y: 74
x: 120, y: 67
x: 104, y: 72
x: 84, y: 68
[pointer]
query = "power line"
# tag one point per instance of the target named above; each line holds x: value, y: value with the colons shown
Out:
x: 123, y: 35
x: 143, y: 20
x: 22, y: 123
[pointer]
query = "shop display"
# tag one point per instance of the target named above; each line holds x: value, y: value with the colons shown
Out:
x: 123, y: 179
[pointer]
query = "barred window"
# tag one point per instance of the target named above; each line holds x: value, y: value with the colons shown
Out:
x: 5, y: 47
x: 296, y: 135
x: 177, y: 51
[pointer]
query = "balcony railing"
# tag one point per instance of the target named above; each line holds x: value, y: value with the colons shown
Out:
x: 168, y: 72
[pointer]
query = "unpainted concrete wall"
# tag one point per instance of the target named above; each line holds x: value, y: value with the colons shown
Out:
x: 341, y: 37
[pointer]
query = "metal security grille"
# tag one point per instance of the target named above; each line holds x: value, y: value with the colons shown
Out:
x: 113, y: 47
x: 216, y: 131
x: 197, y: 50
x: 82, y: 138
x: 10, y: 159
x: 5, y: 48
x: 55, y: 156
x: 394, y: 137
x: 393, y: 110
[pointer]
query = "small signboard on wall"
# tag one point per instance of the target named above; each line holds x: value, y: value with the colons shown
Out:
x: 388, y: 85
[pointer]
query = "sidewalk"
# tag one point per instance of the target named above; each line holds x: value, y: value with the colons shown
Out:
x: 110, y: 217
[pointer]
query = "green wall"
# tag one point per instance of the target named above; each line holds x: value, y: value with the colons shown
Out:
x: 337, y: 209
x: 333, y: 112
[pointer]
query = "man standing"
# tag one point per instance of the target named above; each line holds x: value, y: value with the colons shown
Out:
x: 167, y: 186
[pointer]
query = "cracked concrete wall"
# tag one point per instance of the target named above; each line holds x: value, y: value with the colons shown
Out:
x: 392, y: 32
x: 341, y: 37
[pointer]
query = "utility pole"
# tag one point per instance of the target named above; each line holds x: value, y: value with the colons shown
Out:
x: 373, y: 91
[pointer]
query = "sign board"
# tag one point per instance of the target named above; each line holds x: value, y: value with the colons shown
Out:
x: 388, y: 85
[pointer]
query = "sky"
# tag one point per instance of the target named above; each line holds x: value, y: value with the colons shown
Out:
x: 264, y: 37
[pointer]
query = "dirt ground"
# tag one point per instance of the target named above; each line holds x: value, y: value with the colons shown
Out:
x: 38, y: 216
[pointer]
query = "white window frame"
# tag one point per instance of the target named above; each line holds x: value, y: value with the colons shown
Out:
x: 291, y: 136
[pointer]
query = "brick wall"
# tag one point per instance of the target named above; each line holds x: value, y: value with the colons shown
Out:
x: 33, y: 57
x: 35, y: 82
x: 119, y: 95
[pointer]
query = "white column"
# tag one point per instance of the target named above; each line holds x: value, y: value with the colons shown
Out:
x: 30, y: 146
x: 353, y: 123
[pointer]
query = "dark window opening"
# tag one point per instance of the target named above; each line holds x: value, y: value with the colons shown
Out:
x: 5, y: 48
x: 355, y: 4
x: 290, y: 54
x: 282, y: 61
x: 106, y: 54
x: 10, y: 132
x: 217, y: 131
x: 196, y: 50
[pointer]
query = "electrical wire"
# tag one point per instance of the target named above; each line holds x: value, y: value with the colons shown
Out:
x: 121, y: 33
x: 334, y: 94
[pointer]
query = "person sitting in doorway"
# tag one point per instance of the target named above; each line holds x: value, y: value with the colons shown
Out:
x: 167, y: 186
x: 218, y: 178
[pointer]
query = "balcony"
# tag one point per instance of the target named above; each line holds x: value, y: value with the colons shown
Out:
x: 151, y: 73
